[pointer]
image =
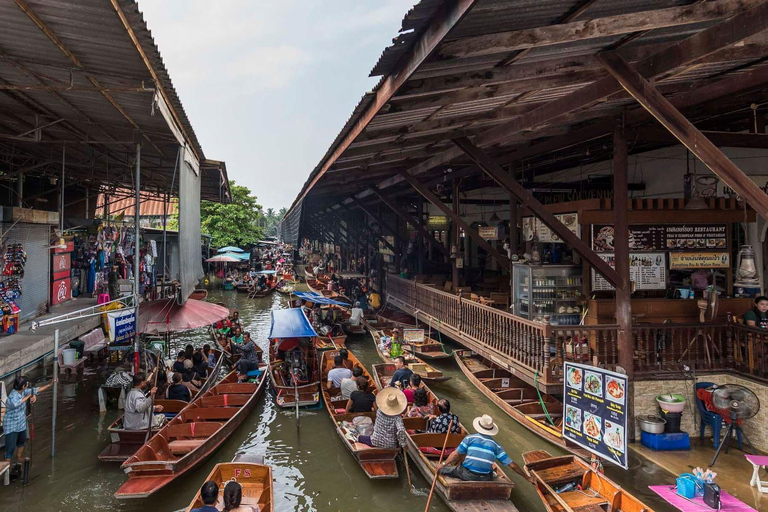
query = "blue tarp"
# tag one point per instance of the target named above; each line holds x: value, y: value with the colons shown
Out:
x: 266, y: 271
x: 318, y: 299
x: 290, y: 323
x: 229, y: 248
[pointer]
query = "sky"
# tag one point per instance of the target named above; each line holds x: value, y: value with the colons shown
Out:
x: 268, y: 85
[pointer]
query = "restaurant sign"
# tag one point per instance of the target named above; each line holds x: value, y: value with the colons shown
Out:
x: 648, y: 270
x: 122, y: 325
x: 488, y: 232
x: 668, y: 237
x: 438, y: 223
x: 679, y: 260
x: 595, y: 411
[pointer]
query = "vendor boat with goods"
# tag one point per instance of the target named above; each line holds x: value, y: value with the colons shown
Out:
x: 294, y: 368
x: 387, y: 347
x: 378, y: 463
x: 539, y: 412
x: 568, y: 484
x: 254, y: 478
x: 192, y: 436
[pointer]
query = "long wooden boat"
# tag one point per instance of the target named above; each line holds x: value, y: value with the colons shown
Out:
x: 242, y: 287
x: 333, y: 342
x: 426, y: 372
x: 307, y: 383
x: 596, y: 492
x: 378, y: 463
x: 518, y: 399
x: 398, y: 319
x: 191, y: 437
x: 285, y: 288
x: 124, y: 443
x: 199, y: 294
x: 263, y: 293
x: 254, y: 477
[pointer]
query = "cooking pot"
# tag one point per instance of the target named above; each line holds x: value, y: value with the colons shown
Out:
x: 651, y: 424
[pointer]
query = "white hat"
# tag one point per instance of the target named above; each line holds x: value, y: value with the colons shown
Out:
x: 391, y: 401
x: 485, y: 425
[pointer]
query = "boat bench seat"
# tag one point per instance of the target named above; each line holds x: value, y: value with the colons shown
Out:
x: 361, y: 446
x: 581, y: 502
x: 562, y: 474
x: 184, y: 446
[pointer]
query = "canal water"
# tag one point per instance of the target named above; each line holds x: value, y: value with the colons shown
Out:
x: 312, y: 470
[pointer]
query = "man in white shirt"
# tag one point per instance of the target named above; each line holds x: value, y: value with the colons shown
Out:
x: 338, y: 373
x: 137, y: 413
x: 356, y: 314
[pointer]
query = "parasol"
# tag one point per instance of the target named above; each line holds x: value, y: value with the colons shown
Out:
x: 224, y: 258
x: 166, y: 315
x: 230, y: 248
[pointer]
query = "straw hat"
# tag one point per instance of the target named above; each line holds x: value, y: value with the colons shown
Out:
x: 485, y: 425
x: 391, y: 401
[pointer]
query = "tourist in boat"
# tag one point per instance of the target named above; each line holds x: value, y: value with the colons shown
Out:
x: 361, y: 400
x: 422, y: 407
x: 177, y: 390
x: 344, y: 353
x: 478, y: 451
x: 237, y: 336
x: 356, y: 314
x: 199, y: 364
x: 137, y: 414
x: 250, y: 355
x: 758, y: 315
x: 235, y: 320
x: 162, y: 382
x: 209, y: 355
x: 402, y: 375
x: 233, y: 497
x: 413, y: 385
x: 224, y: 326
x: 190, y: 376
x: 15, y: 421
x: 439, y: 424
x: 178, y: 366
x: 374, y: 300
x: 388, y: 428
x: 209, y: 493
x: 349, y: 386
x: 337, y: 373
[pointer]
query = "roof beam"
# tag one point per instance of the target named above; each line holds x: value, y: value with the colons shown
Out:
x: 526, y: 199
x: 671, y: 118
x: 622, y: 24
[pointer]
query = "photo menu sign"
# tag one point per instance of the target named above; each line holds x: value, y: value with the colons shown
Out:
x: 595, y: 411
x: 667, y: 237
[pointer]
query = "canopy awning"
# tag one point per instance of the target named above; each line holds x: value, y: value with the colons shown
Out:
x: 229, y: 248
x: 166, y: 315
x: 318, y: 299
x: 266, y: 272
x: 229, y: 257
x: 290, y: 323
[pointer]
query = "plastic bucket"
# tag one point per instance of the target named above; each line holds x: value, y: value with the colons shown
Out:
x: 68, y: 356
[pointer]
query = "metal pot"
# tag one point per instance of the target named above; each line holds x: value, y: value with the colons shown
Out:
x: 651, y: 424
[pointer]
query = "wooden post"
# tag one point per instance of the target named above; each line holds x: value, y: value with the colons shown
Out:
x: 454, y: 238
x: 420, y: 239
x: 514, y: 235
x: 621, y: 253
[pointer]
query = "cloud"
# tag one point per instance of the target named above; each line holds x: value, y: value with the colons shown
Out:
x: 268, y: 67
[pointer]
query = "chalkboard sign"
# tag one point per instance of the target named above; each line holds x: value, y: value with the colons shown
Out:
x: 595, y: 411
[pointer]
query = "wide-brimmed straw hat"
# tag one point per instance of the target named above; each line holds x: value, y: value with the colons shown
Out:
x: 485, y: 425
x: 391, y: 401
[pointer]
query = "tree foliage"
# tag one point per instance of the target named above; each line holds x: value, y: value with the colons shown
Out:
x: 271, y: 219
x: 234, y: 223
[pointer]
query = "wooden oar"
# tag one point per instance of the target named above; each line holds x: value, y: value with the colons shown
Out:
x: 407, y: 469
x: 437, y: 471
x: 152, y: 403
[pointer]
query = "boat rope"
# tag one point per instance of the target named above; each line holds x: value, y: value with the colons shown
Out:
x: 541, y: 400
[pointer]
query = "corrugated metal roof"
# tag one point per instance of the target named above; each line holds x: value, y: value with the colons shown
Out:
x: 149, y: 205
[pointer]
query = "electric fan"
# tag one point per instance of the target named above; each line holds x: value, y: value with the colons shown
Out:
x: 741, y: 403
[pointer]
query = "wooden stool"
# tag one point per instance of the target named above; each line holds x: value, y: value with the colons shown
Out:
x: 758, y: 461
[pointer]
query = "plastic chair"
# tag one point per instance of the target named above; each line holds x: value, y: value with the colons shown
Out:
x: 714, y: 420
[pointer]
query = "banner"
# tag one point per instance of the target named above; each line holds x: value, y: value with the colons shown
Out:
x: 679, y: 260
x: 668, y: 237
x: 122, y: 325
x: 488, y: 232
x: 647, y: 270
x: 595, y: 411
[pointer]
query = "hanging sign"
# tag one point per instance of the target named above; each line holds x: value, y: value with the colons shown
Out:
x: 534, y: 228
x: 678, y: 260
x: 488, y: 232
x: 437, y: 223
x: 122, y: 325
x: 595, y: 411
x: 647, y: 270
x: 669, y: 237
x: 61, y: 265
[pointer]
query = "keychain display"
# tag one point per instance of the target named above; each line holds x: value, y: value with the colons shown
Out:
x: 14, y: 260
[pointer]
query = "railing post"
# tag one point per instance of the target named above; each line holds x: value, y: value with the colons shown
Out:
x: 548, y: 341
x: 461, y: 315
x: 729, y: 334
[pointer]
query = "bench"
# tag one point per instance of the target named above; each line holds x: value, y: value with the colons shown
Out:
x: 185, y: 446
x: 95, y: 342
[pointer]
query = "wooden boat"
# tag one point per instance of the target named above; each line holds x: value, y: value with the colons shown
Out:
x: 255, y: 477
x: 333, y: 342
x: 428, y: 349
x: 191, y: 437
x: 298, y: 376
x: 228, y: 285
x: 426, y: 372
x: 597, y: 492
x: 398, y: 319
x: 518, y: 399
x: 242, y: 287
x: 199, y: 294
x: 285, y: 288
x: 354, y: 329
x: 263, y: 293
x: 124, y: 443
x: 378, y: 463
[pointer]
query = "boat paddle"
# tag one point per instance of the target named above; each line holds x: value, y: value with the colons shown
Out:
x: 437, y: 471
x: 152, y: 403
x: 407, y: 469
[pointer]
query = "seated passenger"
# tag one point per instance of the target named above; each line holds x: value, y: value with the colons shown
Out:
x: 439, y: 424
x: 414, y: 384
x: 337, y: 373
x: 233, y: 496
x: 388, y: 428
x: 361, y: 400
x: 402, y: 376
x: 209, y: 494
x: 758, y: 315
x: 421, y: 407
x: 349, y: 386
x: 177, y: 390
x: 345, y: 358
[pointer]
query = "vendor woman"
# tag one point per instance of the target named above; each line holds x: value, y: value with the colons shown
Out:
x: 758, y: 315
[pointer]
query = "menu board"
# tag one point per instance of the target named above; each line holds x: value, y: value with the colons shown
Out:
x: 670, y: 237
x: 595, y: 411
x: 532, y: 226
x: 648, y: 270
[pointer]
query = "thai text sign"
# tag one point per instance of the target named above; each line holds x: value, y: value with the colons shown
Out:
x: 488, y: 232
x: 668, y: 237
x: 595, y: 411
x: 61, y: 291
x: 648, y: 270
x: 699, y: 260
x: 122, y: 325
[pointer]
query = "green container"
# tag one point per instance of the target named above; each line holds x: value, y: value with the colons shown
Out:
x: 79, y: 346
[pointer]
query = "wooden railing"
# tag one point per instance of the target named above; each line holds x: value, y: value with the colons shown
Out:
x: 541, y: 348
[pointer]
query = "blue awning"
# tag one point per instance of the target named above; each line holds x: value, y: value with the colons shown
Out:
x: 318, y: 299
x: 266, y: 272
x: 290, y: 323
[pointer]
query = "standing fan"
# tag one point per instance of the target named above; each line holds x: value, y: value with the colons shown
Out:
x: 741, y: 403
x: 707, y: 313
